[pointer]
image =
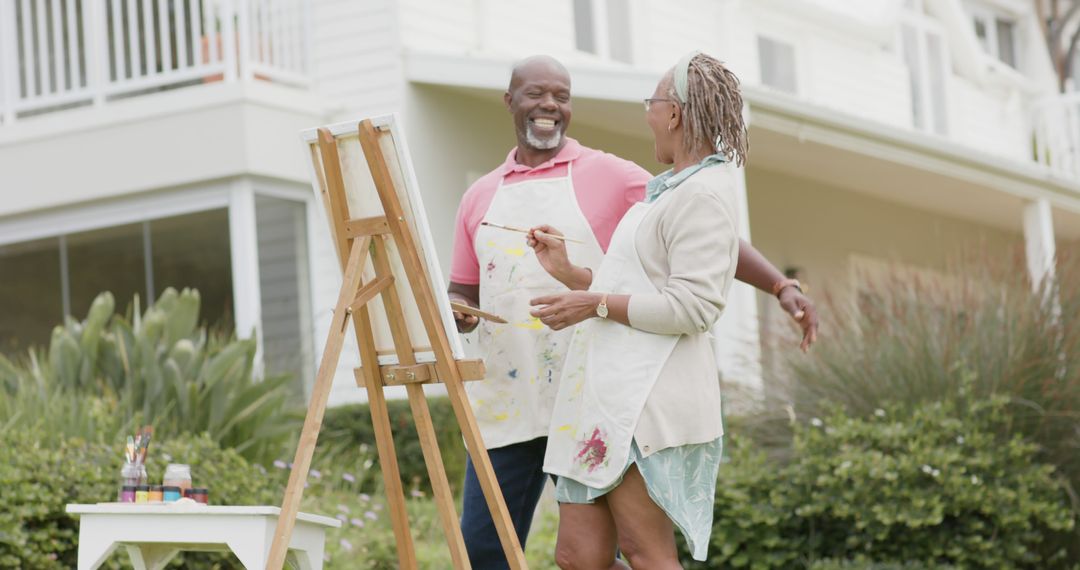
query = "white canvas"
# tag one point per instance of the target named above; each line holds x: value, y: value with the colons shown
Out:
x: 363, y: 201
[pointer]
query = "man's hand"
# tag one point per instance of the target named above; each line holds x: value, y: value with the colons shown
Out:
x: 802, y: 310
x: 565, y: 309
x: 466, y: 295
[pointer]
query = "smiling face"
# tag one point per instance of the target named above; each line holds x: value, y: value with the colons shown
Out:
x: 539, y: 100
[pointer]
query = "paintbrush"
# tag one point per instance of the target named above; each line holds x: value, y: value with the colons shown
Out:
x: 519, y: 230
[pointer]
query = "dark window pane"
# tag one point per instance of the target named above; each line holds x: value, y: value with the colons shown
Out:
x: 109, y: 259
x: 193, y: 251
x: 31, y: 301
x: 1006, y: 43
x: 584, y: 28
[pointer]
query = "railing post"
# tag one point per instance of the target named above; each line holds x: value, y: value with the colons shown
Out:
x: 9, y: 67
x: 97, y: 42
x: 229, y: 43
x: 243, y: 37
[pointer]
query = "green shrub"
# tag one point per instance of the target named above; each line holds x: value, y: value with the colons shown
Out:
x: 857, y: 565
x: 934, y: 486
x: 348, y: 428
x: 103, y: 375
x: 979, y: 331
x: 39, y: 479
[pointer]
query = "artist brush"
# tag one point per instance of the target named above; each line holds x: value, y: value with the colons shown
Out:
x: 519, y: 230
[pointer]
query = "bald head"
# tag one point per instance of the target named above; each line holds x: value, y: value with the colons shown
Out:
x: 538, y: 98
x: 537, y: 66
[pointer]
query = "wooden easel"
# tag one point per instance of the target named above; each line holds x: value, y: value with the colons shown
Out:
x: 355, y: 240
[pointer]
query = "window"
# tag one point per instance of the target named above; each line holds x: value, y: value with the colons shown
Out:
x: 57, y: 276
x: 31, y: 300
x: 602, y: 27
x: 923, y: 50
x: 996, y: 35
x: 776, y: 62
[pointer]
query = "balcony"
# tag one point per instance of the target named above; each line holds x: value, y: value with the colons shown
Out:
x: 1057, y: 134
x: 63, y: 54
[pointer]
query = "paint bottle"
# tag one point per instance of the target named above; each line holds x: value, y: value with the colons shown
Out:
x: 199, y: 495
x: 142, y: 493
x: 156, y: 494
x: 127, y: 494
x: 171, y: 494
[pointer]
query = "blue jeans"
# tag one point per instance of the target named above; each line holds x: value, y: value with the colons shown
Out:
x: 519, y: 468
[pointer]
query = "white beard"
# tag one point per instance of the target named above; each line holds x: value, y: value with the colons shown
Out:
x: 539, y: 143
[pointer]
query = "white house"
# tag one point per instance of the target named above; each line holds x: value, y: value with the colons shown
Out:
x: 153, y: 143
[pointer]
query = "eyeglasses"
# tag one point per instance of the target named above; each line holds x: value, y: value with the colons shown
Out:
x: 649, y: 101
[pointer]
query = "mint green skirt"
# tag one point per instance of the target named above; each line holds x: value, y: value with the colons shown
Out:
x: 681, y: 480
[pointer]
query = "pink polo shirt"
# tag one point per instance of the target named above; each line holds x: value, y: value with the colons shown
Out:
x: 605, y: 185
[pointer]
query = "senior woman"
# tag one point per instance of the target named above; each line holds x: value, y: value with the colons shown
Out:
x: 636, y: 435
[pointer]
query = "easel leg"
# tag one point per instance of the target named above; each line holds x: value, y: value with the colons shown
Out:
x: 485, y: 474
x: 440, y: 486
x: 384, y: 441
x: 290, y: 506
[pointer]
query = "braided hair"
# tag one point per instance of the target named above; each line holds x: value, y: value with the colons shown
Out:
x: 712, y: 113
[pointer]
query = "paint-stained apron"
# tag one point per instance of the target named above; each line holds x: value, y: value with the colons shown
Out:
x: 609, y: 372
x: 524, y: 358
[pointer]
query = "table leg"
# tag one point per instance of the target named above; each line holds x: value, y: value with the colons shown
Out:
x: 252, y: 554
x: 150, y: 556
x: 93, y: 554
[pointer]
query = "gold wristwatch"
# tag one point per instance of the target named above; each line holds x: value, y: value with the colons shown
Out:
x: 601, y: 309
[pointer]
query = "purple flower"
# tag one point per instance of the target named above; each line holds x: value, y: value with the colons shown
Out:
x: 417, y: 493
x: 346, y: 545
x: 316, y: 473
x: 343, y: 508
x: 342, y: 518
x: 357, y: 522
x: 371, y: 515
x: 279, y: 464
x: 348, y: 477
x: 365, y: 497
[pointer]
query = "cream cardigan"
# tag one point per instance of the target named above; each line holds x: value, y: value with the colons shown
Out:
x: 688, y: 244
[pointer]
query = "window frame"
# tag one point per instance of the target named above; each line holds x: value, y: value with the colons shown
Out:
x: 914, y: 17
x: 991, y: 45
x: 601, y: 34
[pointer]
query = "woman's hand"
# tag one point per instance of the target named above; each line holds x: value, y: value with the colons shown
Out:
x: 802, y: 310
x: 550, y: 252
x: 565, y: 309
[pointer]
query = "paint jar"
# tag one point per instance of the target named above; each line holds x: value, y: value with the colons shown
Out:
x: 156, y: 494
x: 177, y: 475
x: 171, y: 494
x: 142, y: 493
x: 127, y: 494
x: 199, y: 495
x: 133, y: 474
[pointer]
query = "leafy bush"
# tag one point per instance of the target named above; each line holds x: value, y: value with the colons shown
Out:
x: 934, y: 485
x: 101, y: 376
x: 38, y: 480
x: 347, y: 428
x: 977, y: 331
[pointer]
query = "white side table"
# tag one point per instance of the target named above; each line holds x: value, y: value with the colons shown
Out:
x: 154, y: 534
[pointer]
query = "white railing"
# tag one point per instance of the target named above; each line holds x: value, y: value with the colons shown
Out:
x: 1057, y: 134
x: 56, y: 54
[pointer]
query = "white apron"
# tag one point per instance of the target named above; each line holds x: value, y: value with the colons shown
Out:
x: 609, y: 372
x: 523, y: 358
